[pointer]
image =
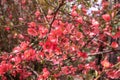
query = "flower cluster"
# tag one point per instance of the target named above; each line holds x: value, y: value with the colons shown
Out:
x: 53, y: 42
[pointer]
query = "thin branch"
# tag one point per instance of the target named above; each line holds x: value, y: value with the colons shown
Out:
x: 103, y: 52
x: 33, y: 71
x: 55, y: 13
x: 88, y: 42
x: 43, y: 13
x: 50, y: 24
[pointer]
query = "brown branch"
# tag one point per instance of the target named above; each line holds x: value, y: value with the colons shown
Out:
x: 104, y: 43
x: 103, y: 52
x: 50, y: 24
x: 33, y: 71
x: 55, y: 13
x: 42, y: 13
x: 88, y: 42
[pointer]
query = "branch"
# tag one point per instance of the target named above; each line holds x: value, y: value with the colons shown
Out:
x: 42, y: 13
x: 88, y: 42
x: 50, y: 24
x: 33, y: 71
x: 103, y: 52
x: 55, y: 13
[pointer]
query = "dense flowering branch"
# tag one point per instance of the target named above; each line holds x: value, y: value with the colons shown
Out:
x: 59, y: 42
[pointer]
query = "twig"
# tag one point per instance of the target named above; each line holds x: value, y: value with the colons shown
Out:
x: 88, y: 42
x: 50, y: 24
x: 33, y: 71
x: 103, y: 52
x: 43, y: 13
x: 55, y: 13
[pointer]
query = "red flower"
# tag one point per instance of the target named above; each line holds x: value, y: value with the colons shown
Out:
x: 23, y: 2
x: 32, y: 31
x: 106, y: 17
x: 117, y: 35
x: 17, y: 59
x: 105, y: 64
x: 74, y: 13
x: 7, y: 28
x: 32, y: 24
x: 65, y: 70
x: 40, y: 77
x: 113, y: 74
x: 29, y: 54
x: 24, y: 45
x: 80, y: 66
x: 50, y: 46
x: 37, y: 13
x: 95, y: 23
x: 114, y: 45
x: 80, y: 20
x: 84, y: 10
x: 82, y: 54
x: 23, y: 74
x: 46, y: 73
x: 10, y: 16
x: 41, y: 54
x: 4, y: 67
x: 105, y: 4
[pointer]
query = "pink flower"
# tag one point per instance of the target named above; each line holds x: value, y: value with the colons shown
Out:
x: 50, y: 46
x: 32, y: 24
x: 32, y: 31
x: 80, y: 20
x: 10, y: 16
x: 23, y: 2
x: 105, y: 64
x: 4, y: 67
x: 24, y: 45
x: 113, y: 74
x: 117, y: 35
x: 46, y: 73
x: 40, y: 77
x: 114, y: 45
x: 106, y: 17
x: 37, y: 13
x: 65, y: 70
x: 74, y: 13
x: 82, y: 54
x: 95, y: 23
x: 29, y: 54
x: 7, y: 28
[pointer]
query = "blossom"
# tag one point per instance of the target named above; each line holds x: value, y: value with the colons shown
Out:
x: 105, y: 63
x: 37, y: 13
x: 74, y: 13
x: 24, y: 45
x: 114, y: 45
x: 32, y: 31
x: 82, y: 54
x: 50, y: 46
x: 7, y: 28
x: 4, y: 67
x: 80, y: 20
x: 29, y: 54
x: 46, y: 73
x: 113, y: 74
x: 65, y: 70
x: 106, y: 17
x: 32, y: 24
x: 117, y: 35
x: 40, y: 77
